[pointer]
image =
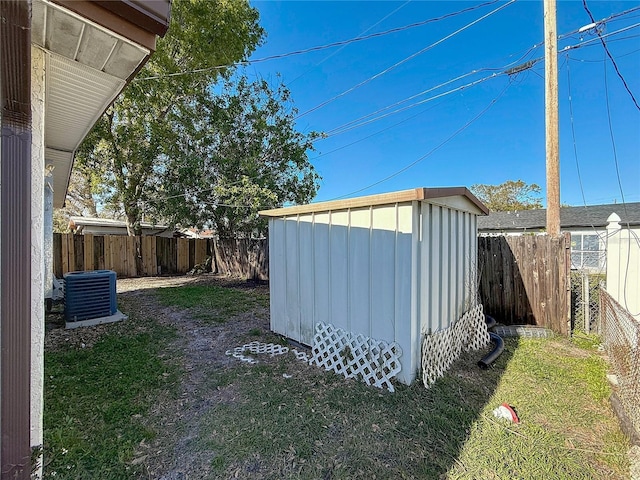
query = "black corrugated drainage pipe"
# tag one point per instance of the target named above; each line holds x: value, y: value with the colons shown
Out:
x: 490, y: 321
x: 486, y: 361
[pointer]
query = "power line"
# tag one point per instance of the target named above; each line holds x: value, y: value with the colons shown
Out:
x: 573, y: 132
x: 410, y: 57
x: 323, y: 47
x: 566, y: 49
x: 613, y: 142
x: 343, y: 126
x: 339, y: 130
x: 502, y: 71
x: 611, y: 18
x: 624, y: 204
x: 606, y: 49
x: 527, y: 65
x: 358, y: 39
x: 590, y: 43
x: 376, y: 133
x: 433, y: 150
x: 584, y: 60
x: 344, y: 46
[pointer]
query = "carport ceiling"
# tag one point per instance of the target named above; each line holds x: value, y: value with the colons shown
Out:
x: 87, y: 66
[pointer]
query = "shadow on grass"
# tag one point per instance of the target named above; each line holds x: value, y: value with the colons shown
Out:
x: 317, y: 425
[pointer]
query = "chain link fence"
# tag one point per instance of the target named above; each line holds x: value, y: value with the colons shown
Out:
x: 585, y: 301
x: 621, y: 338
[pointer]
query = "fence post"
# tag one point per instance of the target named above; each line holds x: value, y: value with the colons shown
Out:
x: 586, y: 311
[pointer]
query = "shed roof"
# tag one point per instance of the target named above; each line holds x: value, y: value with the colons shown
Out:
x: 570, y: 217
x: 380, y: 199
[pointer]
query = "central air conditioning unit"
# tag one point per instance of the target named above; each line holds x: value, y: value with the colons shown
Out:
x: 90, y: 298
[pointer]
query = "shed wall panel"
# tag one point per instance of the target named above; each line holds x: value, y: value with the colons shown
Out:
x: 448, y: 259
x: 466, y: 241
x: 472, y: 271
x: 292, y: 273
x: 277, y: 276
x: 445, y: 270
x: 403, y: 301
x: 359, y: 270
x: 321, y: 269
x: 458, y: 260
x: 306, y: 278
x: 339, y: 271
x: 431, y: 240
x: 426, y: 260
x: 383, y: 272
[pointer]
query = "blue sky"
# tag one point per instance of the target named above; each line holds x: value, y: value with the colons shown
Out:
x: 506, y: 142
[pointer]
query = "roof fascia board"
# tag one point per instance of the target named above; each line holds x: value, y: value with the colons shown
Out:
x: 110, y: 21
x: 153, y: 15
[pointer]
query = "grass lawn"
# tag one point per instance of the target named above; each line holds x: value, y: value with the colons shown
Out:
x: 281, y: 418
x: 95, y: 400
x: 212, y: 302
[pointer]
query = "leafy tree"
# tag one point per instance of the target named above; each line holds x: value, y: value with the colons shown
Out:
x: 509, y: 196
x: 246, y: 155
x: 133, y: 141
x: 83, y: 194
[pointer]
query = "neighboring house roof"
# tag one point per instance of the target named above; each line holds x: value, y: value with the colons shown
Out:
x: 415, y: 194
x: 570, y: 218
x: 193, y: 232
x: 93, y: 50
x: 78, y: 222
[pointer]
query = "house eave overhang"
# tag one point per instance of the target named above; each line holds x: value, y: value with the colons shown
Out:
x: 91, y: 55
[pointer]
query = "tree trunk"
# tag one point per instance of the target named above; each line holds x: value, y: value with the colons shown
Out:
x: 134, y: 229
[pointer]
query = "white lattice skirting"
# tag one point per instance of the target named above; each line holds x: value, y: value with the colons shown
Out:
x: 375, y: 362
x: 258, y: 348
x: 441, y: 349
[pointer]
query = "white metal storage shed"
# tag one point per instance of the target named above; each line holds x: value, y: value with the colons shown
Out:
x: 389, y: 267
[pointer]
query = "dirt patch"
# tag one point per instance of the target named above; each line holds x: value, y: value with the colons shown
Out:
x: 200, y: 348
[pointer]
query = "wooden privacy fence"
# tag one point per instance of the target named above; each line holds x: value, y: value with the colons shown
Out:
x: 524, y: 279
x: 149, y: 255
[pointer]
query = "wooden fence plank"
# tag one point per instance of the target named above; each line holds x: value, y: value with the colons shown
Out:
x: 183, y: 255
x: 153, y: 255
x: 88, y: 253
x: 201, y: 250
x: 78, y: 247
x: 98, y: 243
x: 524, y: 280
x: 64, y: 246
x: 107, y: 253
x: 57, y: 255
x: 132, y: 254
x: 244, y: 257
x: 70, y: 252
x: 149, y: 256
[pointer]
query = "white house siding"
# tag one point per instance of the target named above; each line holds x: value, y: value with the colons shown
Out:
x: 37, y: 242
x: 623, y: 266
x: 389, y: 272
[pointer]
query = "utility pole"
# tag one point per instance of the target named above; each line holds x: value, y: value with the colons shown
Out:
x: 551, y: 118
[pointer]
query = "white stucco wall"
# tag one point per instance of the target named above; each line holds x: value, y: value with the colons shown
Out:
x: 38, y: 59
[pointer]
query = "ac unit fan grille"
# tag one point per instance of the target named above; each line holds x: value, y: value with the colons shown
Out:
x: 90, y: 295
